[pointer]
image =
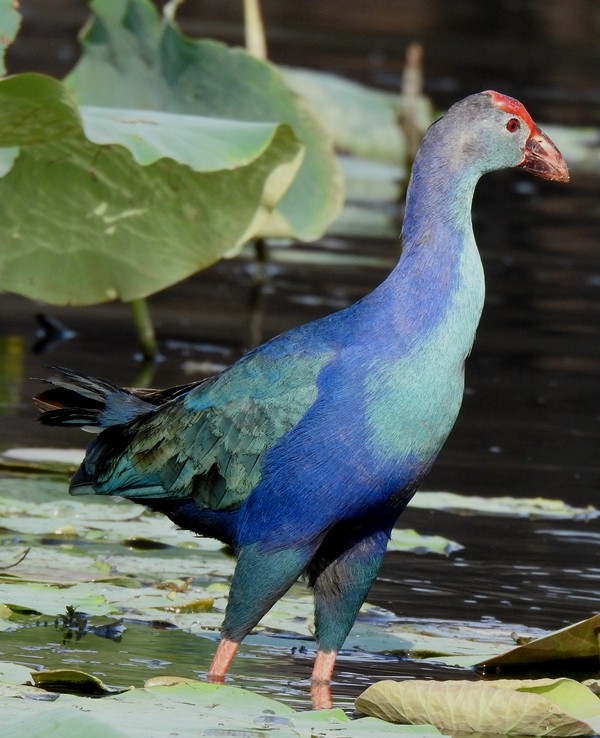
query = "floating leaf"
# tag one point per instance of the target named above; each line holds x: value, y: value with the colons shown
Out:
x: 64, y: 723
x: 203, y: 604
x: 133, y: 60
x: 35, y: 507
x: 5, y: 612
x: 441, y: 641
x: 13, y: 673
x: 536, y: 508
x: 179, y: 706
x: 168, y: 681
x: 59, y: 566
x: 538, y: 707
x: 577, y: 641
x: 409, y: 540
x: 48, y: 600
x: 105, y: 227
x: 42, y: 460
x: 40, y: 506
x: 72, y: 681
x: 23, y: 493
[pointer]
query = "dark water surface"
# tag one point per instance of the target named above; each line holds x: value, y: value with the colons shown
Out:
x: 530, y: 423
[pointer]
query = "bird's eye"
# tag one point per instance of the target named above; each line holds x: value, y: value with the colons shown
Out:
x: 513, y: 125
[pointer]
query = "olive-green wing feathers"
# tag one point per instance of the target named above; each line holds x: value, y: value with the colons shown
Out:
x: 208, y: 444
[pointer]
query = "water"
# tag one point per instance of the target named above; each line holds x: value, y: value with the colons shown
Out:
x: 530, y: 423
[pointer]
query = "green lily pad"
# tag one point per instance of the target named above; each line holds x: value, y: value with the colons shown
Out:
x: 22, y: 493
x: 540, y: 707
x: 577, y: 641
x: 42, y: 460
x: 130, y: 583
x: 362, y: 121
x: 60, y: 566
x: 35, y: 109
x: 180, y: 708
x: 13, y: 673
x: 536, y: 508
x: 48, y: 600
x: 134, y: 59
x: 72, y: 681
x: 442, y: 641
x: 105, y: 227
x: 409, y: 540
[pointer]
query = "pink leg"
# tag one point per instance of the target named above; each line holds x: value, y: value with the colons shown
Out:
x: 323, y: 668
x: 320, y: 694
x: 222, y: 660
x: 321, y: 678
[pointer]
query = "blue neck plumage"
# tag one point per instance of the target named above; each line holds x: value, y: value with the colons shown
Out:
x: 439, y: 278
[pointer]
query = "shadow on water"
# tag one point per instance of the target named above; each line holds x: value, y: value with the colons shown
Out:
x: 530, y: 420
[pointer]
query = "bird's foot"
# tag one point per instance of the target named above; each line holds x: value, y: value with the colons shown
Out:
x: 223, y: 657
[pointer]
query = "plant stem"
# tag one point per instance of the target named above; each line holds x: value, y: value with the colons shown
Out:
x: 412, y: 90
x: 254, y: 29
x: 144, y: 328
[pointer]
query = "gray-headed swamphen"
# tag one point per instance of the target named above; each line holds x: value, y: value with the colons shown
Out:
x: 302, y: 454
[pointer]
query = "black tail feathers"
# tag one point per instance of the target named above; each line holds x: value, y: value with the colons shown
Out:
x: 75, y: 399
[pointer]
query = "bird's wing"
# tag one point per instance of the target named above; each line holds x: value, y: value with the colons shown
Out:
x: 209, y: 443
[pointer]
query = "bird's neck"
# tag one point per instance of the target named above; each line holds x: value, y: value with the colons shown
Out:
x: 438, y: 281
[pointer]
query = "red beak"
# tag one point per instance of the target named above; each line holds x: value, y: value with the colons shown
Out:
x: 543, y: 159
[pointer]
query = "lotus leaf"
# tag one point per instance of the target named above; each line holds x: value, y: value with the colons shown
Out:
x: 134, y: 59
x: 105, y: 227
x: 543, y: 707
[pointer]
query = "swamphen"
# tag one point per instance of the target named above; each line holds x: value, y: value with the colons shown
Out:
x: 302, y: 454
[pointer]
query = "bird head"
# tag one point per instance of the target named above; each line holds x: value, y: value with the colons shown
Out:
x: 495, y: 131
x: 540, y: 155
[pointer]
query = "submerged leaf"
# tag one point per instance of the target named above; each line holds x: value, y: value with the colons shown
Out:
x: 538, y: 707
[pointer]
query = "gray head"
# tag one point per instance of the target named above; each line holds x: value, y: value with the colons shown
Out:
x: 489, y: 131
